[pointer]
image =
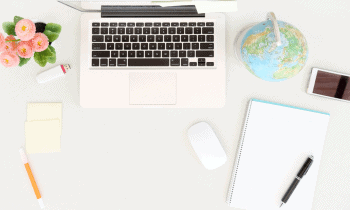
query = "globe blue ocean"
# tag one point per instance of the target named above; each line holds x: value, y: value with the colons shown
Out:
x: 271, y: 63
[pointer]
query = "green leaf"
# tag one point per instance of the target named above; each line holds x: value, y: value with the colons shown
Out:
x: 52, y: 59
x: 9, y: 28
x: 42, y: 57
x: 51, y: 35
x: 16, y: 19
x: 23, y: 61
x: 53, y: 27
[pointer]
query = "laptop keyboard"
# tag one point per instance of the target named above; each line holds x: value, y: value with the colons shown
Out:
x: 148, y: 44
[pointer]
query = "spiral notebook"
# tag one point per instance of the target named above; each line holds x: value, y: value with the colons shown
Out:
x: 275, y: 142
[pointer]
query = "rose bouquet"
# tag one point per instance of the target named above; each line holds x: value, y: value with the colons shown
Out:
x: 27, y: 39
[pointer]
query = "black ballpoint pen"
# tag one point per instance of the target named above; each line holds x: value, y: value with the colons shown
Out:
x: 297, y: 179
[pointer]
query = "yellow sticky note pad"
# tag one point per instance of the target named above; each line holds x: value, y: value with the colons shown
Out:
x: 43, y: 136
x: 44, y: 112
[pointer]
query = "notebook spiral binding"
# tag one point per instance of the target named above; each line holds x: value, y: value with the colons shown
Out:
x: 235, y: 170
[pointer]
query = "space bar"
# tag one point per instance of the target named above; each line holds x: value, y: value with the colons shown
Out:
x: 148, y: 62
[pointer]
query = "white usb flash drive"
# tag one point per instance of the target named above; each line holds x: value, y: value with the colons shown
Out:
x: 53, y: 73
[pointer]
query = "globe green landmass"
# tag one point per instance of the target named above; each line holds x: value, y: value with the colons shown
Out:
x: 260, y: 54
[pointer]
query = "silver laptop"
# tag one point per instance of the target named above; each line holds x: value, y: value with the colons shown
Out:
x: 138, y: 54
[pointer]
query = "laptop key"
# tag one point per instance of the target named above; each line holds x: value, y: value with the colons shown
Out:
x: 210, y: 24
x: 104, y: 62
x: 95, y: 24
x: 165, y: 53
x: 95, y: 30
x: 184, y: 38
x: 172, y: 30
x: 101, y: 54
x: 113, y: 24
x: 193, y: 38
x: 136, y: 46
x: 178, y: 46
x: 110, y: 46
x: 204, y: 54
x: 170, y: 46
x: 156, y: 53
x: 159, y: 38
x: 140, y: 24
x: 114, y: 54
x: 205, y: 46
x: 157, y: 24
x: 166, y: 24
x: 127, y: 46
x: 192, y: 24
x: 176, y: 38
x: 155, y: 30
x: 163, y: 30
x: 122, y: 62
x: 210, y: 63
x: 148, y: 24
x: 142, y: 38
x: 104, y: 24
x: 131, y: 54
x: 131, y: 24
x: 125, y: 38
x: 174, y: 24
x: 98, y: 46
x: 184, y: 61
x: 140, y: 54
x: 118, y: 46
x: 123, y: 54
x: 148, y: 54
x: 144, y: 46
x: 201, y: 64
x: 187, y: 46
x: 201, y: 38
x: 116, y: 38
x: 138, y: 30
x: 174, y: 54
x: 201, y: 60
x: 104, y: 30
x: 190, y: 54
x: 122, y: 24
x: 183, y: 24
x: 121, y: 30
x: 133, y: 38
x: 152, y: 46
x: 188, y: 30
x: 167, y: 38
x: 208, y: 30
x: 129, y: 30
x: 201, y: 24
x: 180, y: 30
x: 210, y: 38
x: 150, y: 38
x: 197, y: 30
x: 146, y: 30
x: 148, y: 62
x: 193, y: 63
x: 112, y: 30
x: 195, y: 46
x: 95, y: 62
x: 182, y: 54
x: 112, y: 62
x: 161, y: 46
x: 175, y: 62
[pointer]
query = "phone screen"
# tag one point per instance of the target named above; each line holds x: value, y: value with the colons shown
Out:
x: 332, y: 85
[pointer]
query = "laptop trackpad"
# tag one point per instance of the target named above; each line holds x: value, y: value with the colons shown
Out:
x: 152, y: 88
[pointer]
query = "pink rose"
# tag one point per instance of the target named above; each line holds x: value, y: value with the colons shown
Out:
x: 2, y: 43
x: 40, y: 42
x: 25, y: 49
x: 9, y: 59
x: 11, y: 46
x: 25, y: 29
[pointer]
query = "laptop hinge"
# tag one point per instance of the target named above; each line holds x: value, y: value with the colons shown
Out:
x: 149, y: 11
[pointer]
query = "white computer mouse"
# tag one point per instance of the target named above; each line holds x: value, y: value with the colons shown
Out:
x: 207, y: 145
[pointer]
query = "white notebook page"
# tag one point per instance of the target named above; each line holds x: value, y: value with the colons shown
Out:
x: 275, y: 144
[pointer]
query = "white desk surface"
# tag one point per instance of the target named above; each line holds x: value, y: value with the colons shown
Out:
x: 142, y: 158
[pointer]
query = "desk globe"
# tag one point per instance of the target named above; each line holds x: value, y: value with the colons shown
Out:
x: 272, y: 50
